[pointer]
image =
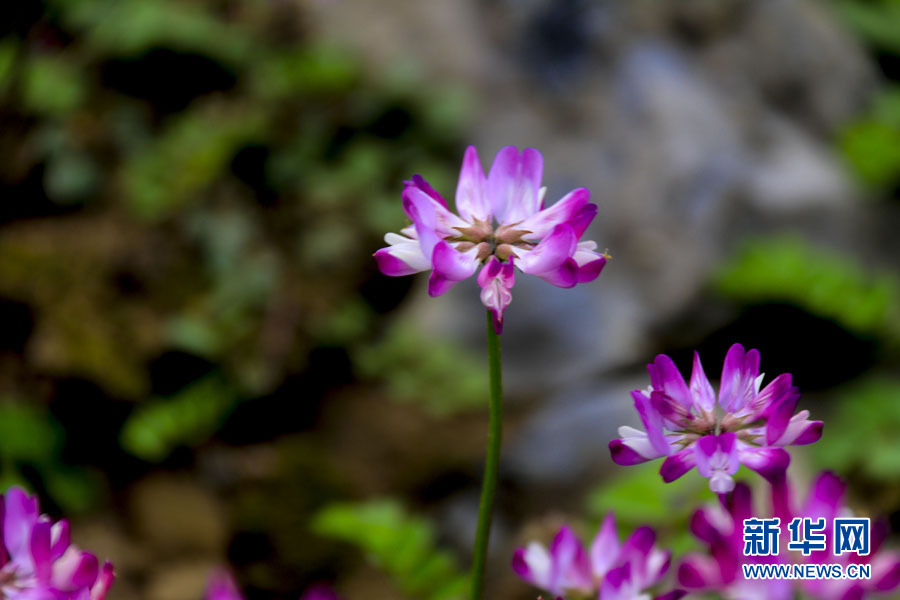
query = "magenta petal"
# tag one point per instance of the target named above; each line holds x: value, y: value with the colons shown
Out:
x: 565, y: 276
x: 693, y: 573
x: 573, y: 209
x: 591, y: 270
x: 452, y: 264
x: 392, y: 266
x: 551, y: 252
x: 582, y: 219
x: 104, y: 581
x: 450, y: 267
x: 513, y: 184
x: 768, y: 462
x: 677, y: 465
x: 605, y: 547
x: 571, y: 565
x: 471, y: 197
x: 222, y: 586
x: 738, y: 376
x: 673, y: 595
x: 889, y: 577
x: 438, y: 285
x: 700, y: 388
x: 665, y: 377
x: 520, y: 565
x: 83, y: 572
x: 40, y: 550
x: 624, y: 455
x: 780, y: 417
x: 811, y: 434
x: 703, y: 527
x: 653, y: 423
x: 60, y: 536
x: 419, y: 182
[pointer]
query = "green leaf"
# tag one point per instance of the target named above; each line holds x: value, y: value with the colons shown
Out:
x: 27, y: 433
x: 189, y: 155
x: 52, y: 86
x: 820, y: 281
x: 189, y: 417
x: 437, y: 374
x: 868, y: 412
x: 401, y: 544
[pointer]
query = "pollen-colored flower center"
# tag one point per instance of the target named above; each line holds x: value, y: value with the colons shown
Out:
x: 498, y: 242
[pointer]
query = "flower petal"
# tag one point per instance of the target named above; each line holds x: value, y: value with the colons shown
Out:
x: 677, y: 464
x: 550, y: 253
x: 652, y: 421
x: 605, y: 547
x: 666, y: 378
x: 574, y: 208
x: 700, y: 388
x: 768, y: 462
x: 450, y: 267
x: 738, y: 378
x: 513, y: 184
x: 471, y: 198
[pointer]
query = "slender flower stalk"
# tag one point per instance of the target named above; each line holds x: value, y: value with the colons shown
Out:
x: 500, y: 224
x: 491, y: 462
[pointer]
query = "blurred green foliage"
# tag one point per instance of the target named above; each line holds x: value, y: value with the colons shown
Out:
x: 235, y: 172
x: 29, y: 436
x: 188, y: 417
x: 638, y: 496
x: 862, y: 437
x: 401, y: 544
x: 440, y: 375
x: 820, y: 281
x: 871, y: 144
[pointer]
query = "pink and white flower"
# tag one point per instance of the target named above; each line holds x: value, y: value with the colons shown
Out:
x: 690, y: 427
x: 500, y: 222
x: 614, y: 570
x: 720, y: 528
x: 37, y: 560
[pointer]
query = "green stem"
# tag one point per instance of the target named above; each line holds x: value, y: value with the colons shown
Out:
x: 491, y: 463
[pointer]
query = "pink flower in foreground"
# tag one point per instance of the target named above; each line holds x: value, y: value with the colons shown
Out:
x: 37, y: 561
x: 720, y: 528
x: 501, y: 223
x: 617, y: 571
x: 223, y: 587
x: 691, y: 428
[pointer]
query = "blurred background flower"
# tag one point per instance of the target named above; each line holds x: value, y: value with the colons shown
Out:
x: 201, y: 365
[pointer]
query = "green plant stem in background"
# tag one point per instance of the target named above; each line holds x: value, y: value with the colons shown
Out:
x: 491, y: 463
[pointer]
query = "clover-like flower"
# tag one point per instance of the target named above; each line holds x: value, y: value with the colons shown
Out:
x: 687, y: 425
x: 37, y: 561
x: 222, y: 586
x: 720, y: 528
x: 617, y: 571
x: 501, y: 223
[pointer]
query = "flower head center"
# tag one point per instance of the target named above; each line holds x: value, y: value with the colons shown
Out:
x: 500, y: 242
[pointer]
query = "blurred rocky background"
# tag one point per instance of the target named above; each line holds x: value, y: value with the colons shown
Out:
x: 201, y: 365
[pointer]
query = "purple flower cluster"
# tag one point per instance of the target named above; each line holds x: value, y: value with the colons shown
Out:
x: 223, y: 587
x: 691, y: 427
x: 609, y: 569
x: 37, y: 560
x: 720, y: 528
x: 500, y: 223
